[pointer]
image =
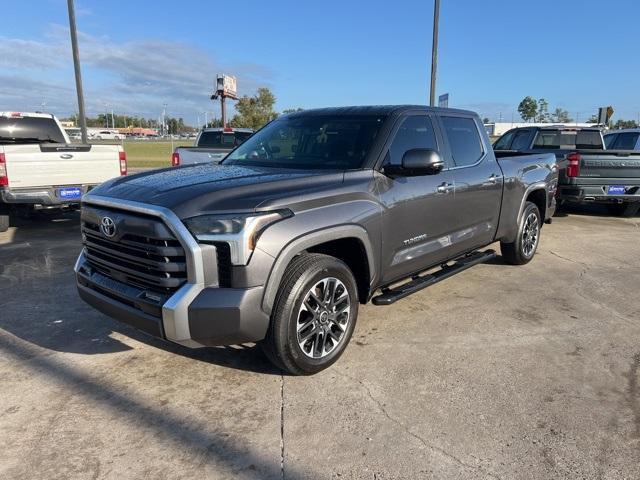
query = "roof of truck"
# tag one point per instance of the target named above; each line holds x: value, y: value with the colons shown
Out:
x: 375, y: 110
x: 25, y: 114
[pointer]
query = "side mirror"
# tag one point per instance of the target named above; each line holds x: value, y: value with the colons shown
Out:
x: 417, y: 161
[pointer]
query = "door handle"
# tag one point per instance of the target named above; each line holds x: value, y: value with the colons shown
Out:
x: 444, y: 187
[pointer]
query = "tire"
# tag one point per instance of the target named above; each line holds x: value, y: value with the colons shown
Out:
x: 624, y: 209
x: 523, y: 249
x: 301, y: 328
x: 4, y: 218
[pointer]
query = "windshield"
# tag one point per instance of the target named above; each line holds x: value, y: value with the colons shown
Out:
x: 568, y: 139
x: 30, y: 129
x: 222, y: 140
x: 311, y: 142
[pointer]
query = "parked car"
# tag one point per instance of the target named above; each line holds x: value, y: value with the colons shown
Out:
x: 39, y: 168
x: 317, y: 212
x: 588, y: 172
x: 107, y: 135
x: 211, y: 146
x: 627, y: 139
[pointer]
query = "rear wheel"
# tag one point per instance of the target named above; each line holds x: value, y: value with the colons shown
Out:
x: 314, y: 315
x: 524, y: 247
x: 624, y: 209
x: 4, y: 219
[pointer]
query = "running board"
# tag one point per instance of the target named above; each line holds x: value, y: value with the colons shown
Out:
x: 417, y: 283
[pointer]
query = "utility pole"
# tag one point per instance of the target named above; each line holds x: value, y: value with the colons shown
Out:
x: 206, y: 123
x: 113, y: 121
x: 164, y: 119
x: 76, y: 66
x: 434, y: 52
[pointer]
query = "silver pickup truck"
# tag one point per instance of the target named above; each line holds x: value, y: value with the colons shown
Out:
x: 316, y: 213
x: 40, y: 168
x: 211, y: 146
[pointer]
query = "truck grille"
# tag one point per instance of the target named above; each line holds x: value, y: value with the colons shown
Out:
x: 154, y: 262
x: 223, y: 252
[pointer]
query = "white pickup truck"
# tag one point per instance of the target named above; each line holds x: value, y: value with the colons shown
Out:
x: 211, y: 146
x: 40, y: 168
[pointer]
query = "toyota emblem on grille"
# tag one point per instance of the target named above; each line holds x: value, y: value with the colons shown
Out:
x: 107, y: 227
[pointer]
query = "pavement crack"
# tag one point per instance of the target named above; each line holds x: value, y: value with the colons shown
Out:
x: 420, y: 439
x: 282, y: 426
x: 633, y: 392
x: 568, y: 259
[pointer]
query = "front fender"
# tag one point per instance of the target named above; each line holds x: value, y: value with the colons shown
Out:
x: 304, y: 242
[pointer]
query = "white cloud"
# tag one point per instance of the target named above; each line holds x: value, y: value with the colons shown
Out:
x: 134, y: 77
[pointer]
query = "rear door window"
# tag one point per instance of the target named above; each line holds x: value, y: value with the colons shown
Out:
x: 625, y: 141
x: 464, y: 140
x: 521, y: 140
x: 610, y: 139
x: 504, y: 142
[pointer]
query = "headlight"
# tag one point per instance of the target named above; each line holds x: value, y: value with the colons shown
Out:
x: 240, y: 231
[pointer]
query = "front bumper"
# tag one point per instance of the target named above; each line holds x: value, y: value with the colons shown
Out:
x: 598, y: 194
x: 197, y: 314
x: 38, y: 196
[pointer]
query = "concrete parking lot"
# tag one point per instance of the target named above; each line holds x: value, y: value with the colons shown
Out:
x: 500, y: 372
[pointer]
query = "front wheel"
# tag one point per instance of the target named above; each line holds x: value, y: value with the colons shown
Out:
x: 524, y: 247
x: 314, y: 315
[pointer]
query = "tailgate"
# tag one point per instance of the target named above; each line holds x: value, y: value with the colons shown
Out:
x: 610, y: 164
x: 201, y: 155
x: 53, y: 164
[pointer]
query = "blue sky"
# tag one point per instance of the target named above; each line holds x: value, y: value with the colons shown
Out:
x: 137, y: 55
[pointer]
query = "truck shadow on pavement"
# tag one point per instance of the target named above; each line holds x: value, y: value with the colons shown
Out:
x: 212, y: 446
x: 40, y: 304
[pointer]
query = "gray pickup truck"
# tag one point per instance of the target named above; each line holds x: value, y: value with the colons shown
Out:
x: 211, y: 146
x: 589, y: 173
x: 317, y: 212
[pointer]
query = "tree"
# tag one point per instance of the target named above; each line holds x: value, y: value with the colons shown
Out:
x: 560, y: 115
x: 625, y: 124
x: 528, y: 108
x: 256, y: 111
x: 542, y: 115
x: 592, y: 119
x: 485, y: 120
x: 292, y: 110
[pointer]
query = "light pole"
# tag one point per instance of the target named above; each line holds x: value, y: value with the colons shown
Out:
x: 434, y: 52
x: 164, y: 119
x: 76, y: 67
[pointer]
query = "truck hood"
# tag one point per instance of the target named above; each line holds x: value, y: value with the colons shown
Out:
x: 197, y: 189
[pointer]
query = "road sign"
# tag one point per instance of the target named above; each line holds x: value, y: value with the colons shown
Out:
x: 226, y: 85
x: 443, y: 101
